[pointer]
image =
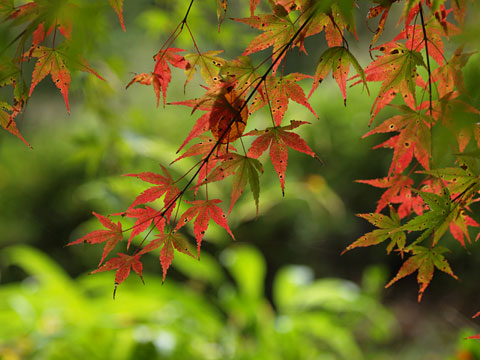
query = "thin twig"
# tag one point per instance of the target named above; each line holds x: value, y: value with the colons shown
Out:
x: 429, y: 70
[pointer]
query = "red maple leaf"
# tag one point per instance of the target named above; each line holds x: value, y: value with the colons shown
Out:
x: 203, y: 210
x: 450, y: 75
x: 397, y: 71
x: 277, y: 92
x: 111, y: 236
x: 226, y: 114
x: 278, y: 138
x: 54, y: 62
x: 169, y: 242
x: 144, y: 219
x: 383, y: 9
x: 117, y: 5
x: 415, y: 38
x: 166, y: 186
x: 24, y: 12
x: 161, y: 76
x: 277, y: 33
x: 333, y: 21
x: 337, y: 59
x: 7, y: 120
x: 413, y: 138
x: 459, y: 226
x: 123, y: 263
x: 253, y: 6
x: 398, y: 192
x: 204, y: 148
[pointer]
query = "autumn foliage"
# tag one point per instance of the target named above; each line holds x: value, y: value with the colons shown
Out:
x: 418, y: 79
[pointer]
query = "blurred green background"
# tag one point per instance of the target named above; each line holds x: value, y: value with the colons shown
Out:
x: 281, y: 291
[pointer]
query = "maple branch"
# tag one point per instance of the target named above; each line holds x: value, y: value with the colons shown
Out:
x: 173, y: 36
x: 54, y: 36
x: 219, y: 141
x: 184, y: 21
x: 425, y: 39
x: 430, y: 105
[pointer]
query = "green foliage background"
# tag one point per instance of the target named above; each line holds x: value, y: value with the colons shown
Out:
x: 271, y: 295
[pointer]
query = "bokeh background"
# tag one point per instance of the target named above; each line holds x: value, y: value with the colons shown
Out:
x: 281, y: 291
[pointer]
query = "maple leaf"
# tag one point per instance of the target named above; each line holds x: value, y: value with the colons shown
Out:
x: 222, y: 7
x: 24, y: 12
x: 416, y: 41
x: 169, y: 243
x: 11, y: 74
x: 43, y: 17
x: 144, y: 219
x: 338, y: 60
x: 123, y: 263
x: 398, y: 192
x: 54, y: 62
x: 277, y: 33
x: 465, y: 182
x: 383, y: 9
x: 226, y: 115
x: 459, y: 10
x: 228, y: 118
x: 117, y: 5
x: 397, y: 71
x: 277, y: 92
x: 111, y: 236
x: 459, y: 117
x: 161, y: 76
x: 166, y: 187
x: 278, y: 138
x: 203, y: 211
x: 459, y: 226
x: 393, y: 185
x: 209, y: 63
x: 459, y: 180
x: 242, y: 71
x: 51, y: 62
x: 245, y: 170
x: 388, y: 228
x: 435, y: 222
x: 41, y: 32
x: 424, y: 261
x: 413, y: 139
x: 450, y: 75
x: 204, y: 148
x: 7, y: 120
x: 253, y: 6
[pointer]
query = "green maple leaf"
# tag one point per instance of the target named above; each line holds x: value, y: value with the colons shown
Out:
x: 435, y: 222
x: 461, y: 179
x: 337, y: 60
x: 389, y: 227
x: 242, y: 71
x: 210, y: 65
x: 396, y: 69
x: 424, y: 260
x: 244, y: 170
